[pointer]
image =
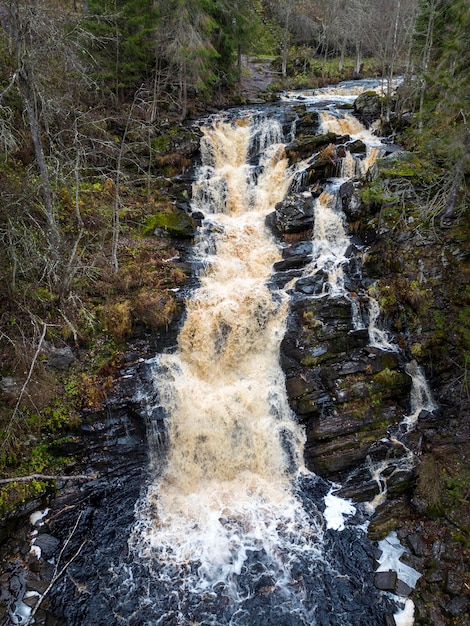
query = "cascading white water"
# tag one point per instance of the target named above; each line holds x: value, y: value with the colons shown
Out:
x: 420, y: 397
x: 230, y: 530
x: 330, y: 239
x: 226, y: 489
x: 330, y: 243
x: 378, y: 337
x: 348, y: 125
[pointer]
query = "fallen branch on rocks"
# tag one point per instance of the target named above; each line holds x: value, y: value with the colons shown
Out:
x: 26, y: 479
x: 58, y: 573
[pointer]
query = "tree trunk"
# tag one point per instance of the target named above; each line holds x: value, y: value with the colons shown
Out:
x: 426, y: 56
x: 357, y: 67
x: 239, y: 62
x: 449, y: 209
x: 28, y: 98
x: 343, y: 53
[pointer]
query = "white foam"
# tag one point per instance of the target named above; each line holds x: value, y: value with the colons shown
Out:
x: 36, y: 551
x: 392, y: 550
x: 336, y: 510
x: 37, y: 517
x: 405, y: 617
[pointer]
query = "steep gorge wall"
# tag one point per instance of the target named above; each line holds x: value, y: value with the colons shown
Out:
x: 352, y: 397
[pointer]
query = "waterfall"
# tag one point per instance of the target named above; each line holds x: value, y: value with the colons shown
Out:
x: 421, y: 397
x: 378, y: 337
x: 330, y: 243
x: 349, y: 126
x: 232, y: 440
x: 230, y: 529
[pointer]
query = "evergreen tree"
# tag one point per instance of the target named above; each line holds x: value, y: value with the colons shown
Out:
x: 121, y: 41
x: 443, y: 47
x: 237, y: 24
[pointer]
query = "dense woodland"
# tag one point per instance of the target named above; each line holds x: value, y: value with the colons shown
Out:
x: 95, y: 101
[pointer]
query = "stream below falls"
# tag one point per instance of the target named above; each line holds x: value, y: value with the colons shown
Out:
x: 230, y: 527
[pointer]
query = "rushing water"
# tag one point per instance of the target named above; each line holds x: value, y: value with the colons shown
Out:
x: 233, y: 445
x: 228, y: 530
x: 232, y: 529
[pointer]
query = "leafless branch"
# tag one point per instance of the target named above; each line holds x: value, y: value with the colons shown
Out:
x: 30, y: 477
x: 58, y: 573
x: 25, y: 384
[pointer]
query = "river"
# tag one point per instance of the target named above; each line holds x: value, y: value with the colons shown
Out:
x: 230, y: 527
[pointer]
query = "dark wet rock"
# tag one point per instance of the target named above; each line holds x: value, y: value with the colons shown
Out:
x: 386, y: 581
x: 345, y: 193
x: 291, y: 263
x: 280, y: 279
x: 295, y: 214
x: 347, y: 393
x: 457, y: 606
x: 367, y: 106
x: 308, y: 122
x: 402, y: 589
x: 47, y: 543
x: 299, y: 250
x: 455, y: 581
x: 416, y: 544
x: 336, y: 457
x: 307, y: 145
x: 314, y: 284
x: 295, y: 256
x: 356, y: 147
x: 435, y: 572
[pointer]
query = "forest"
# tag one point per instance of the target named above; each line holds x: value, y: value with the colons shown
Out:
x: 99, y: 109
x: 96, y: 104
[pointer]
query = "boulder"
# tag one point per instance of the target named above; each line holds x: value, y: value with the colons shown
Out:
x: 386, y: 581
x: 356, y: 147
x: 48, y: 544
x: 304, y: 146
x: 295, y: 214
x: 174, y: 221
x: 60, y: 358
x: 308, y: 121
x: 367, y: 106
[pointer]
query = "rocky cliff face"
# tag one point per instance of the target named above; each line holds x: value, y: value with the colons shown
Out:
x: 353, y: 398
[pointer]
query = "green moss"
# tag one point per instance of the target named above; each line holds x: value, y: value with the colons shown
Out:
x: 15, y: 494
x: 374, y: 195
x: 161, y: 144
x: 177, y: 223
x: 388, y: 378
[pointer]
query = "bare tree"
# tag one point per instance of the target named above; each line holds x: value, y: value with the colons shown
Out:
x: 21, y: 34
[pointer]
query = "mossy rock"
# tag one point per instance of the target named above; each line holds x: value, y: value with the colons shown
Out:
x: 174, y: 222
x: 367, y: 104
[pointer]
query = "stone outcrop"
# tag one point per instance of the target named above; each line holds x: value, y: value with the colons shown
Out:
x: 367, y: 106
x: 346, y: 393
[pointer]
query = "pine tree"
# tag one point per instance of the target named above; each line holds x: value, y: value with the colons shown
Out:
x: 121, y: 41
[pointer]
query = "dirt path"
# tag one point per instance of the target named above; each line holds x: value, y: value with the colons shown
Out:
x: 256, y: 77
